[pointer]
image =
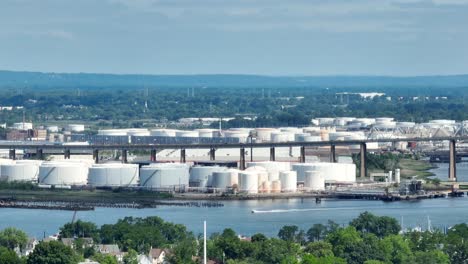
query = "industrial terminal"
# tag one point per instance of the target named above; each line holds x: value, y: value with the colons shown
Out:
x: 207, y: 162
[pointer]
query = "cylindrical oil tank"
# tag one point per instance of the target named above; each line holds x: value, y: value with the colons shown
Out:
x: 240, y: 135
x: 314, y: 181
x: 265, y: 187
x: 76, y: 127
x: 63, y: 173
x: 164, y: 175
x: 225, y: 179
x: 201, y: 176
x: 21, y: 170
x: 288, y: 181
x: 205, y: 132
x: 113, y: 175
x: 138, y: 132
x: 264, y: 133
x: 53, y: 129
x: 338, y: 172
x: 397, y: 176
x: 112, y: 132
x: 248, y: 182
x: 163, y: 132
x: 187, y: 134
x: 275, y: 186
x: 277, y: 137
x: 272, y: 167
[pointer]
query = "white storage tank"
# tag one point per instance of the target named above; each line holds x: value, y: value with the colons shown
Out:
x: 288, y: 181
x: 138, y: 132
x: 248, y: 182
x: 314, y: 181
x: 112, y: 132
x: 336, y: 172
x: 272, y: 167
x: 187, y: 134
x: 113, y: 175
x: 164, y: 175
x: 201, y: 176
x: 22, y: 126
x: 53, y: 129
x: 264, y: 133
x: 397, y: 176
x: 163, y: 132
x: 240, y: 135
x: 205, y: 132
x: 75, y: 127
x: 225, y: 179
x: 277, y: 137
x: 21, y: 170
x: 63, y: 173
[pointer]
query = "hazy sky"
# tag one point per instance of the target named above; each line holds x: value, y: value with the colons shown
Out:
x: 273, y: 37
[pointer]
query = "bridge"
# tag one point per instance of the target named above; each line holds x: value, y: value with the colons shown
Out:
x: 66, y: 149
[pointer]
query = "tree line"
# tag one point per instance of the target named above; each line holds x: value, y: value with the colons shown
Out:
x: 368, y: 239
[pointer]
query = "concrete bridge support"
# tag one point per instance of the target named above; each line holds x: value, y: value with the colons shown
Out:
x: 363, y: 157
x: 242, y: 159
x: 66, y: 154
x: 96, y: 156
x: 302, y: 156
x: 212, y: 153
x: 12, y: 154
x: 124, y: 156
x: 39, y: 154
x: 332, y: 153
x: 153, y: 155
x: 272, y: 154
x: 453, y: 161
x: 182, y: 156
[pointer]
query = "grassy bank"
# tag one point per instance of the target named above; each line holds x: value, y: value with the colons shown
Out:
x: 412, y: 167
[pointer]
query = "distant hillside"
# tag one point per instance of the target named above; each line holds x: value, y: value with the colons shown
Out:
x: 12, y: 79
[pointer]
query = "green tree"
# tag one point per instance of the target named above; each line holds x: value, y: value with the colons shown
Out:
x: 183, y: 251
x: 381, y: 226
x: 11, y: 238
x: 396, y: 249
x: 319, y: 249
x: 80, y: 229
x: 131, y: 257
x: 8, y: 256
x: 288, y: 233
x: 431, y: 257
x: 317, y: 232
x: 311, y: 259
x: 53, y: 252
x: 104, y: 259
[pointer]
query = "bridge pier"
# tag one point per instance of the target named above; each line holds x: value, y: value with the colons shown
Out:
x: 182, y: 156
x: 212, y: 153
x: 153, y: 155
x: 242, y: 159
x: 39, y: 154
x: 302, y: 156
x: 363, y: 157
x: 66, y: 154
x: 453, y: 161
x: 333, y: 153
x: 96, y: 156
x: 272, y: 154
x: 124, y: 156
x: 12, y: 154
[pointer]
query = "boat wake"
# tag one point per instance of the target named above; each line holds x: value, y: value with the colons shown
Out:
x: 301, y: 210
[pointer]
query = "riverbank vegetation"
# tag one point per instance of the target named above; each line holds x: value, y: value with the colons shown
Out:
x: 409, y: 164
x: 368, y: 239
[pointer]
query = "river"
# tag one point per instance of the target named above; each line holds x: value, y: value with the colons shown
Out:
x: 238, y: 214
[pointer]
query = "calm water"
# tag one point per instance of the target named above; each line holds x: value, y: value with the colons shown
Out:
x: 237, y: 214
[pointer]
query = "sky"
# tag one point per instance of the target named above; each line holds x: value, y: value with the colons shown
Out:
x: 267, y: 37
